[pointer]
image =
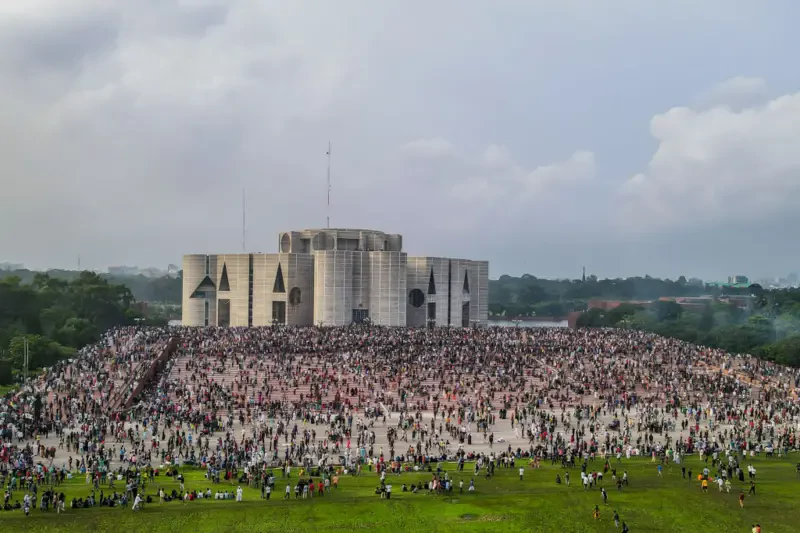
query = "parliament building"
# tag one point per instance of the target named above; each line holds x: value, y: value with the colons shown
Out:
x: 334, y: 277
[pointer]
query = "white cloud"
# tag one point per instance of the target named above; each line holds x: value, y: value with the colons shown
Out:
x: 717, y: 166
x: 490, y: 182
x: 579, y: 167
x: 736, y: 93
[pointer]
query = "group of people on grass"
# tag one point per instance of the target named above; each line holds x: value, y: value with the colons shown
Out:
x: 244, y: 401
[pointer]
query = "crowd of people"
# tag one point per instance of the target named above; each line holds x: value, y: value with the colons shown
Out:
x: 249, y: 400
x: 80, y: 400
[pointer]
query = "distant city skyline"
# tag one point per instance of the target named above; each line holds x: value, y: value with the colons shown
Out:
x: 785, y: 280
x: 647, y: 138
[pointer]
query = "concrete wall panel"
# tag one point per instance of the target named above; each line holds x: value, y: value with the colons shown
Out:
x: 388, y: 281
x: 203, y: 310
x: 333, y: 288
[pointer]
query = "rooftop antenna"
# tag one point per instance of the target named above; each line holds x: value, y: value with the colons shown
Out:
x: 584, y: 275
x: 329, y: 185
x: 244, y: 221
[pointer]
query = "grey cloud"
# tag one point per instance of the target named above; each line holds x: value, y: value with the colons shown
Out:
x: 60, y: 46
x: 130, y: 128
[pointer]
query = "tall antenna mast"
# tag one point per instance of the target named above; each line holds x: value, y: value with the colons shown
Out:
x: 244, y: 221
x: 329, y: 184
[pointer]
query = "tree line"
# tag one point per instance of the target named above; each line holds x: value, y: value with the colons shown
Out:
x: 62, y: 311
x: 527, y: 295
x: 766, y: 324
x: 57, y: 316
x: 164, y: 290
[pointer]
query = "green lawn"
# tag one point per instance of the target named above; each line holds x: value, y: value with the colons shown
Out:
x: 503, y: 503
x: 6, y: 388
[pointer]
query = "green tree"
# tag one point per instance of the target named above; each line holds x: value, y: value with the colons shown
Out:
x: 786, y: 351
x: 6, y: 376
x: 706, y: 322
x: 667, y: 310
x: 58, y: 313
x: 42, y: 351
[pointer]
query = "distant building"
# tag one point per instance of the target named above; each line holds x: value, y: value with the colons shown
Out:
x: 334, y: 277
x: 741, y: 301
x: 688, y: 302
x: 150, y: 272
x: 11, y: 266
x: 613, y: 304
x: 738, y: 280
x: 123, y: 270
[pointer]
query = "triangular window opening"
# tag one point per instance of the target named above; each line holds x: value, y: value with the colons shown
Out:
x: 431, y: 284
x: 466, y: 282
x: 279, y: 285
x: 205, y: 286
x: 224, y: 284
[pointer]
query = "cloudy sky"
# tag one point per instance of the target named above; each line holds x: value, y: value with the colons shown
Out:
x: 631, y: 137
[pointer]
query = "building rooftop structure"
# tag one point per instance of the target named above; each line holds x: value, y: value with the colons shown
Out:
x: 334, y: 276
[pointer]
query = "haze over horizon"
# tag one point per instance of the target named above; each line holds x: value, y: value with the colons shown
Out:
x: 541, y: 136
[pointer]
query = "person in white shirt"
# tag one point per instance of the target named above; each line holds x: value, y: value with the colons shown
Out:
x: 239, y: 493
x: 521, y: 471
x: 388, y: 492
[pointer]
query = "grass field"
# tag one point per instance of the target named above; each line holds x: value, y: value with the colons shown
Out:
x: 503, y: 503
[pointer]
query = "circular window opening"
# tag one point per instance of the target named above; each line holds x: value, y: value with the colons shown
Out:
x: 416, y: 298
x: 294, y: 296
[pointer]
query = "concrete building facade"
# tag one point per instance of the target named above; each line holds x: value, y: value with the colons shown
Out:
x: 334, y: 277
